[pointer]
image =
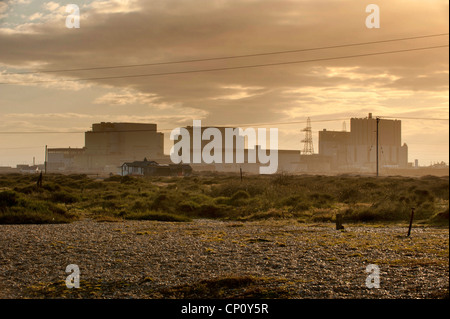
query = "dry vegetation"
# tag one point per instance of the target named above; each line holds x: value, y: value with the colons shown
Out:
x: 220, y: 237
x: 65, y: 198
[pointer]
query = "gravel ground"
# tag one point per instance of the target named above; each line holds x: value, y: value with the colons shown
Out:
x: 149, y: 259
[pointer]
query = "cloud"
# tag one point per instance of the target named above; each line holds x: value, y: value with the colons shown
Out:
x: 49, y: 121
x: 238, y: 92
x: 41, y: 80
x: 35, y: 16
x: 3, y: 9
x: 113, y: 6
x: 50, y: 6
x: 117, y: 33
x: 19, y: 2
x: 126, y: 97
x: 48, y: 115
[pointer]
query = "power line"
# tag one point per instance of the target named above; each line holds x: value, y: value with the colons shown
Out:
x: 232, y: 57
x: 21, y: 148
x: 413, y: 118
x: 42, y: 132
x: 292, y: 122
x: 169, y: 129
x: 229, y: 68
x: 226, y: 125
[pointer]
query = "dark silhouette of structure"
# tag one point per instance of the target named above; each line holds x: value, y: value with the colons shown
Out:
x: 308, y: 147
x: 152, y: 168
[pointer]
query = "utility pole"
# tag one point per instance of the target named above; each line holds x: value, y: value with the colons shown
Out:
x: 378, y: 121
x: 45, y: 162
x: 410, y: 222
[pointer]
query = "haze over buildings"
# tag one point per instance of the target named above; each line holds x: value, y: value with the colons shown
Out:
x: 56, y: 108
x: 109, y: 145
x: 357, y: 149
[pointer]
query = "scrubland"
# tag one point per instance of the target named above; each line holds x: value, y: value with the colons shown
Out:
x: 215, y: 236
x: 65, y: 198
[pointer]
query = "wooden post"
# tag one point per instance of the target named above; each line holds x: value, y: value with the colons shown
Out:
x: 45, y: 159
x: 39, y: 181
x: 378, y: 121
x: 410, y: 221
x: 240, y: 169
x: 339, y: 225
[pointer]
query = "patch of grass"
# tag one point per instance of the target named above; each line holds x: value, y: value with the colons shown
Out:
x: 64, y: 197
x: 270, y: 214
x: 441, y: 218
x: 107, y: 219
x: 88, y: 289
x: 235, y: 287
x: 15, y: 208
x: 224, y: 196
x: 258, y: 240
x: 7, y: 199
x: 166, y: 217
x: 212, y: 211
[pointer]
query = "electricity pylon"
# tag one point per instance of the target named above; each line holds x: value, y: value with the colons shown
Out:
x: 308, y: 148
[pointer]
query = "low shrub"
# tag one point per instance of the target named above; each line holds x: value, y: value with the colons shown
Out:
x: 441, y: 217
x: 188, y: 206
x: 64, y: 197
x: 212, y: 211
x: 7, y: 199
x: 15, y: 209
x: 159, y: 216
x: 298, y: 203
x: 239, y: 198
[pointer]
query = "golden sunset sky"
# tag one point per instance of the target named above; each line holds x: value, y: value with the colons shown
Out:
x: 410, y: 85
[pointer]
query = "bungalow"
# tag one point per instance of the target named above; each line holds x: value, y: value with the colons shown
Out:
x: 152, y: 168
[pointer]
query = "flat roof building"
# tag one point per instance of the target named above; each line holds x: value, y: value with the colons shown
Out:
x: 357, y: 149
x: 108, y: 145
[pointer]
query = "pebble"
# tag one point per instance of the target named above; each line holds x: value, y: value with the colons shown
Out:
x: 316, y: 260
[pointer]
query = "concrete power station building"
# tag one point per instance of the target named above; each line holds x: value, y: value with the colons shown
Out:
x: 108, y: 146
x: 356, y: 150
x: 288, y: 160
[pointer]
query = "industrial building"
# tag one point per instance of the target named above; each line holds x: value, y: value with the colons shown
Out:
x: 109, y: 145
x: 288, y: 160
x: 357, y: 150
x: 62, y: 159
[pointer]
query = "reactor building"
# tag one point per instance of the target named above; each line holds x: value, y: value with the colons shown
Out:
x: 356, y: 150
x: 109, y: 145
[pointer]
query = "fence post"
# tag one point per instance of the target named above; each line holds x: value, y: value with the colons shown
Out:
x: 339, y: 225
x: 410, y: 221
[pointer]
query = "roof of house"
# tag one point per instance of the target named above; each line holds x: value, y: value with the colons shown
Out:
x: 146, y: 163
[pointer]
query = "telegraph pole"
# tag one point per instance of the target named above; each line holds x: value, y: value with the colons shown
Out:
x: 378, y: 121
x: 45, y: 161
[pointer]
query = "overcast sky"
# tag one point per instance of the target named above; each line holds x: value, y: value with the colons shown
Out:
x: 33, y: 36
